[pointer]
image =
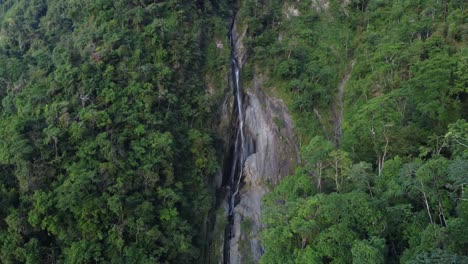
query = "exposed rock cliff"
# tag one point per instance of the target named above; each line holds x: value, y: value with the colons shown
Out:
x: 272, y: 154
x: 268, y: 124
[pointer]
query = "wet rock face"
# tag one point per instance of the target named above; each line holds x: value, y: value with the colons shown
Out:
x: 269, y: 129
x: 291, y: 11
x: 239, y: 34
x: 269, y: 125
x: 320, y: 5
x: 268, y: 121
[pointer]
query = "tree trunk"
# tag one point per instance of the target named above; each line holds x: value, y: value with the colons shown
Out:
x: 427, y: 204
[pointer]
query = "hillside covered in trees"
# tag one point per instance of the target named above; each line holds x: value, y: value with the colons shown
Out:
x: 105, y: 152
x: 378, y: 90
x: 110, y: 116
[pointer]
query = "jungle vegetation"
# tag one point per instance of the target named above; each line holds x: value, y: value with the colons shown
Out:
x: 108, y: 144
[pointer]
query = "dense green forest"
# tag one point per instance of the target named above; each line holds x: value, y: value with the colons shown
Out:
x: 108, y: 128
x: 106, y: 148
x: 378, y: 90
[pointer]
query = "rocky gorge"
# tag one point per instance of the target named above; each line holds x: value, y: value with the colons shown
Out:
x: 270, y: 154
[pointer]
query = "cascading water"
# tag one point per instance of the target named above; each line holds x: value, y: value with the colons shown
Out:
x: 240, y: 139
x: 239, y: 150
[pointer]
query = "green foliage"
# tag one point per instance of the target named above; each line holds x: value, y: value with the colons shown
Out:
x: 368, y: 251
x: 105, y: 154
x: 399, y: 145
x: 457, y: 136
x: 323, y: 226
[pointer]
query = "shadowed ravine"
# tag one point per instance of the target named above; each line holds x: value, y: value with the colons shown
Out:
x: 240, y: 148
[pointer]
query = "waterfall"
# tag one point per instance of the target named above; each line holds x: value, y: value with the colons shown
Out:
x: 240, y: 139
x: 238, y: 150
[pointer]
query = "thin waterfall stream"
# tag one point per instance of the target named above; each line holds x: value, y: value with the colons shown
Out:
x: 240, y: 149
x: 240, y: 138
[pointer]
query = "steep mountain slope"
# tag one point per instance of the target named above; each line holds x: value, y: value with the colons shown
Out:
x: 378, y: 93
x: 106, y: 152
x: 164, y: 131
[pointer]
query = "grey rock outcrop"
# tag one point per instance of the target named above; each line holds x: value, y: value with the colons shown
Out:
x: 269, y: 125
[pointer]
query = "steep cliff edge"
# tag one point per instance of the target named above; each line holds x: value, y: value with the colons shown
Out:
x: 348, y: 77
x: 265, y: 128
x: 268, y: 124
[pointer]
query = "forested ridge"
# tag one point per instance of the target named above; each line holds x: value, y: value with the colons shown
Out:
x: 378, y: 91
x: 109, y: 140
x: 105, y: 150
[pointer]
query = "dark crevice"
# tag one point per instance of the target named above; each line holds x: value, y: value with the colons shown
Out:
x: 241, y: 146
